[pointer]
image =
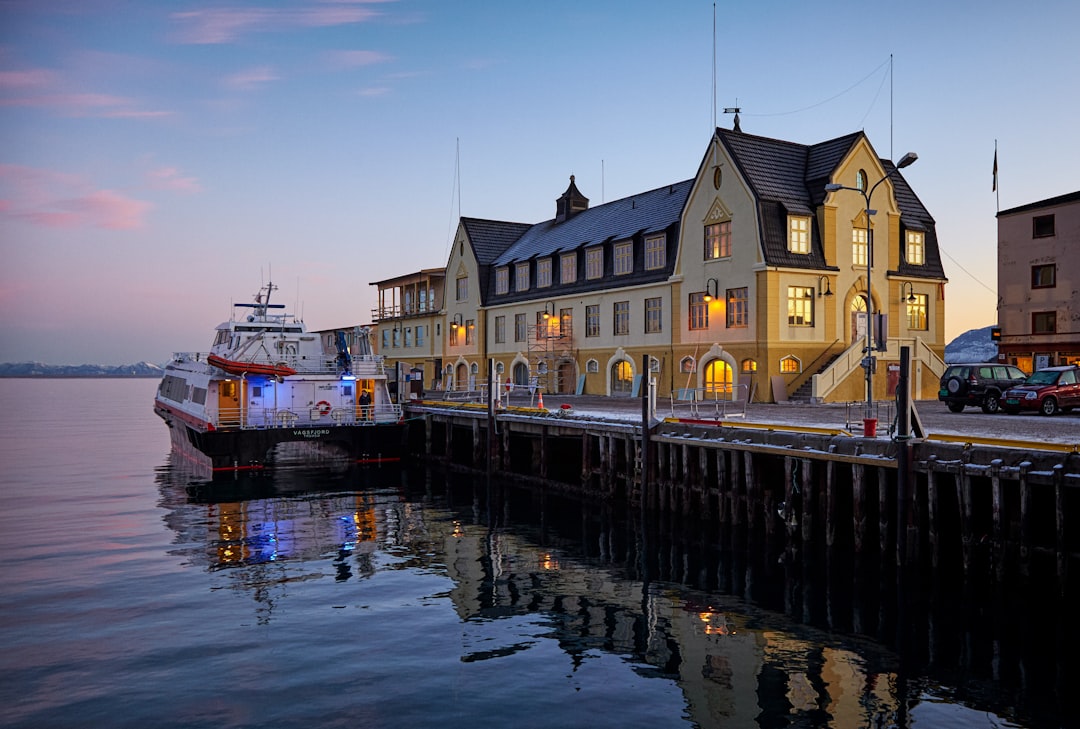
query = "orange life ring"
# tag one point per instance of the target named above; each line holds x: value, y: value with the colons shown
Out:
x: 323, y: 407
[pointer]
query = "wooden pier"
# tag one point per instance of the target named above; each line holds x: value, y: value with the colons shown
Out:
x: 997, y: 512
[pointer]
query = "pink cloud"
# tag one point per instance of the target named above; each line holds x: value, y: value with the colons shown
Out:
x: 61, y: 200
x: 223, y: 25
x: 251, y: 78
x: 351, y: 59
x: 42, y: 88
x: 170, y: 178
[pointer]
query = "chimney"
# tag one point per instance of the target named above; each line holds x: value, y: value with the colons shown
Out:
x: 570, y: 203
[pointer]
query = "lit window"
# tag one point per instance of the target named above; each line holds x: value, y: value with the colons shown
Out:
x: 621, y: 310
x: 1044, y: 276
x: 790, y: 365
x: 800, y: 306
x: 543, y: 272
x: 521, y: 277
x: 799, y: 234
x: 738, y: 307
x: 594, y: 263
x: 502, y: 280
x: 916, y: 312
x: 624, y: 258
x: 592, y: 320
x: 463, y: 288
x: 470, y: 331
x: 454, y: 335
x: 748, y: 366
x: 654, y: 312
x: 718, y: 240
x: 568, y: 274
x: 916, y: 248
x: 655, y: 252
x: 699, y: 311
x: 858, y: 246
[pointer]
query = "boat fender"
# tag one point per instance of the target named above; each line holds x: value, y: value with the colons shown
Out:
x: 323, y: 407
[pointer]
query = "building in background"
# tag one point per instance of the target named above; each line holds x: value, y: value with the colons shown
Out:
x: 409, y: 322
x: 1039, y: 283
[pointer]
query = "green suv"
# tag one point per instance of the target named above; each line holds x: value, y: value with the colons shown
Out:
x: 979, y: 384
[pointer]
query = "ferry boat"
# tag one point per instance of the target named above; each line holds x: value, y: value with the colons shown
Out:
x: 268, y: 389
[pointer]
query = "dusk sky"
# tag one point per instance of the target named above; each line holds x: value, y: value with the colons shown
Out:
x: 159, y: 160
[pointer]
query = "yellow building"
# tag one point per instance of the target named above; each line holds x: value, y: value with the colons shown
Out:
x: 746, y: 281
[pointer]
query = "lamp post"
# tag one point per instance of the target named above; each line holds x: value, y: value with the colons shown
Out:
x: 868, y: 360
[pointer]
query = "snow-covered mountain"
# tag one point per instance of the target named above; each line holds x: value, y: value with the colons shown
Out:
x: 973, y: 345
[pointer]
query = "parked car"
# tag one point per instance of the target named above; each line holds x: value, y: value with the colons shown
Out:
x: 1048, y: 390
x: 977, y: 384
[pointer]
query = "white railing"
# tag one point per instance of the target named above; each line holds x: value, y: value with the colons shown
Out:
x: 365, y: 366
x: 851, y: 359
x: 261, y: 418
x: 830, y: 378
x: 719, y: 397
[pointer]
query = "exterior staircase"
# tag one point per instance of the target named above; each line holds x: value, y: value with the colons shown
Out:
x: 805, y: 392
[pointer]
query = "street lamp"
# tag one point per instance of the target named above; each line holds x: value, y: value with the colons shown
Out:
x: 828, y: 288
x: 910, y: 288
x: 712, y: 290
x: 868, y: 360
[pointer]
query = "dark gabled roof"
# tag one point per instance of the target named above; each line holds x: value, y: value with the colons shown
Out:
x: 915, y: 216
x: 1047, y: 203
x: 641, y: 214
x: 491, y: 238
x: 787, y: 178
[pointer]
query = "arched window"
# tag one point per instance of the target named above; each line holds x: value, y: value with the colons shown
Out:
x: 622, y: 378
x: 499, y: 368
x: 718, y: 377
x: 592, y: 366
x: 790, y: 365
x: 687, y: 365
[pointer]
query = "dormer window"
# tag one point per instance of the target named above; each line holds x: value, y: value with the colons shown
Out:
x: 502, y: 280
x: 916, y: 249
x: 798, y: 234
x: 521, y: 277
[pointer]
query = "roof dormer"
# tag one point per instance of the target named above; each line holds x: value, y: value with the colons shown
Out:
x: 570, y: 203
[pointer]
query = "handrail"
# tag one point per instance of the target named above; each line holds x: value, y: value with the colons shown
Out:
x: 830, y: 378
x: 801, y: 377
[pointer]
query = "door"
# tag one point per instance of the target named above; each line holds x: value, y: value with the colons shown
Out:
x: 566, y: 378
x: 229, y: 399
x: 622, y: 378
x: 859, y: 318
x: 718, y: 380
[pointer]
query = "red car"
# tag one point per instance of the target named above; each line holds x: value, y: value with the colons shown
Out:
x: 1049, y: 390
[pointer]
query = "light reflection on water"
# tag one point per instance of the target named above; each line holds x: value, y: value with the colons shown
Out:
x: 368, y: 598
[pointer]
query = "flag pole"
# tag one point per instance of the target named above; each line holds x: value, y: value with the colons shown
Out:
x: 997, y: 192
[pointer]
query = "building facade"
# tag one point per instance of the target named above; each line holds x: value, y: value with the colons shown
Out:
x: 747, y: 280
x: 1039, y: 283
x: 409, y: 322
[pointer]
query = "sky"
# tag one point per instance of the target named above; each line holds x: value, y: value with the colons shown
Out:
x: 160, y: 161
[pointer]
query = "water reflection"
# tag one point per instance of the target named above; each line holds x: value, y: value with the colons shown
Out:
x: 527, y: 568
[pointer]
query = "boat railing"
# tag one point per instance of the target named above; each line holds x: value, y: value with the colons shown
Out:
x: 262, y: 418
x: 361, y: 366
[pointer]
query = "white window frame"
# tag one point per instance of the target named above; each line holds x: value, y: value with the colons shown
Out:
x: 623, y: 258
x: 594, y: 263
x: 655, y: 252
x: 916, y: 248
x: 568, y: 268
x: 799, y: 234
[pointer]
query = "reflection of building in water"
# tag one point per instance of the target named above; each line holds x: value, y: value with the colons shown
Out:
x: 726, y: 669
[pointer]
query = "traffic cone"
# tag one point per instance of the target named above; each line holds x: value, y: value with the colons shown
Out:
x: 541, y: 403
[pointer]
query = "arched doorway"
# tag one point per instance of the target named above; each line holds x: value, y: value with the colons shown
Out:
x: 622, y: 378
x: 461, y: 376
x: 521, y: 374
x: 717, y: 379
x: 859, y: 318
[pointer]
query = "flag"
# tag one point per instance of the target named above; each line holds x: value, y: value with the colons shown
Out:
x: 995, y: 170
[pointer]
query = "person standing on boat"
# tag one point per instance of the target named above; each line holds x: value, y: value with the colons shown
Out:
x: 365, y: 405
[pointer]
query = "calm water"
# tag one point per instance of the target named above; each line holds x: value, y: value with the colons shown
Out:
x: 387, y: 598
